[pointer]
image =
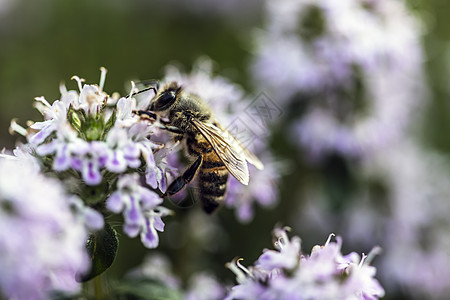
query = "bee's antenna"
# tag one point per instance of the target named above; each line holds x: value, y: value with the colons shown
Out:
x: 155, y: 89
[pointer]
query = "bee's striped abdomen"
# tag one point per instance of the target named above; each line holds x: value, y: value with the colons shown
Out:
x: 212, y: 182
x: 212, y: 175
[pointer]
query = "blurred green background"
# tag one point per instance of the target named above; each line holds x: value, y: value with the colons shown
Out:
x: 44, y: 42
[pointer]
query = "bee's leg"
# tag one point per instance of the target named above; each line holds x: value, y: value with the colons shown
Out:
x: 184, y: 179
x: 145, y: 113
x: 152, y: 116
x: 172, y: 129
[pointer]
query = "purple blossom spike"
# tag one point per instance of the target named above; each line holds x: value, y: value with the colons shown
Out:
x: 41, y: 250
x: 140, y: 208
x: 360, y: 90
x: 287, y: 274
x: 88, y: 138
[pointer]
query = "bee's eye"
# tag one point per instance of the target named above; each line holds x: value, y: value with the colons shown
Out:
x: 165, y: 100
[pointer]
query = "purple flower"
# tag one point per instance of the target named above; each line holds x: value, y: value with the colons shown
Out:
x: 261, y: 189
x: 415, y: 257
x: 71, y: 144
x: 90, y: 138
x: 41, y: 250
x: 89, y: 216
x: 286, y: 274
x: 286, y: 256
x: 140, y: 209
x: 123, y: 152
x: 344, y: 60
x: 161, y: 168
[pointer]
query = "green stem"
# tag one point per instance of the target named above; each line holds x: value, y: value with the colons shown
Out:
x: 98, y: 288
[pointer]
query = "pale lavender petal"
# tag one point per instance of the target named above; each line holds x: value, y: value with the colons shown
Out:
x: 94, y: 219
x: 132, y: 230
x: 131, y: 151
x: 91, y: 172
x: 46, y: 149
x: 76, y: 163
x: 62, y: 159
x: 147, y: 152
x: 116, y: 202
x: 133, y: 163
x: 116, y: 162
x: 158, y: 223
x: 132, y: 154
x: 152, y: 175
x: 149, y: 236
x: 100, y: 150
x: 40, y: 137
x: 149, y: 199
x: 162, y: 181
x: 133, y: 218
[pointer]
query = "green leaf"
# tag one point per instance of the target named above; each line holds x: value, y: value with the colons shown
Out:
x: 102, y: 248
x: 147, y: 289
x: 74, y: 118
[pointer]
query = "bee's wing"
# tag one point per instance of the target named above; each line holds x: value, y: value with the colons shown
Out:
x: 249, y: 156
x: 229, y: 150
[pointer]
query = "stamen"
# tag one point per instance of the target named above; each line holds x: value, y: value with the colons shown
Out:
x: 243, y: 268
x: 102, y: 77
x: 281, y: 237
x: 374, y: 252
x: 133, y: 89
x: 44, y: 101
x: 329, y: 239
x: 14, y: 127
x: 239, y: 270
x: 79, y: 81
x: 62, y: 87
x: 363, y: 258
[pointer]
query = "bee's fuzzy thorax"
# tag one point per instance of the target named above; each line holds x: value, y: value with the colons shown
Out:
x: 186, y: 108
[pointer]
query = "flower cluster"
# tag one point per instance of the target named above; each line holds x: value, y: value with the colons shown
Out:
x: 93, y: 142
x: 344, y: 64
x: 42, y: 241
x: 231, y: 109
x: 416, y: 225
x: 285, y: 273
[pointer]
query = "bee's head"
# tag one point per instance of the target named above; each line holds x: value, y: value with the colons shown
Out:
x: 166, y: 97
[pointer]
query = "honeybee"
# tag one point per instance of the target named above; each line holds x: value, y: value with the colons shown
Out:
x: 218, y: 153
